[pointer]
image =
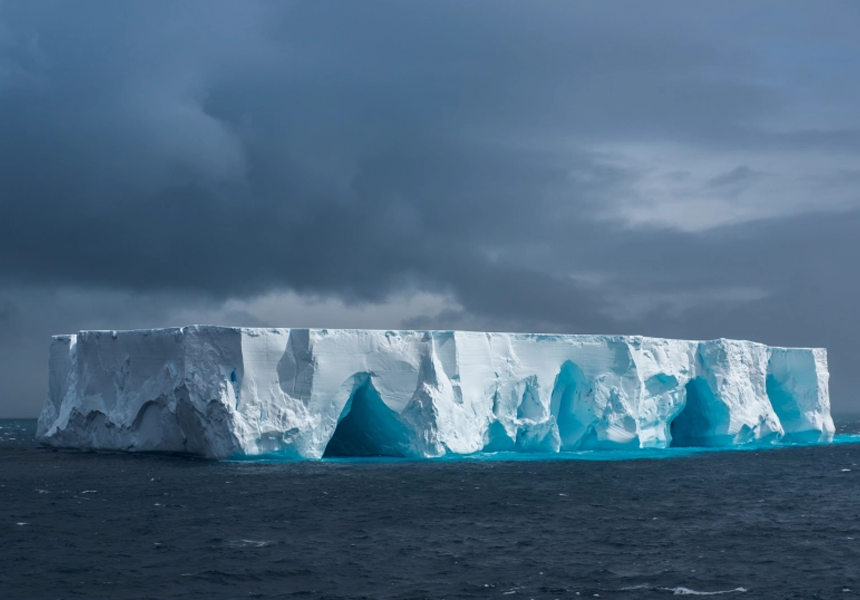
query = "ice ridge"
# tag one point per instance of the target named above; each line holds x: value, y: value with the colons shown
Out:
x: 307, y: 393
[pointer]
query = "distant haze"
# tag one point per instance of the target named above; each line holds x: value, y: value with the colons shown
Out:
x: 666, y: 168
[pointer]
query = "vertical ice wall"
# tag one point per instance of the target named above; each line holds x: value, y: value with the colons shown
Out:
x: 306, y: 393
x: 797, y: 386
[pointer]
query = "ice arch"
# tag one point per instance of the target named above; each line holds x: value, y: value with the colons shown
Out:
x: 572, y: 411
x: 367, y: 427
x: 697, y: 422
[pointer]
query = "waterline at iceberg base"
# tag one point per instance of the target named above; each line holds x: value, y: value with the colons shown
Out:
x: 226, y: 392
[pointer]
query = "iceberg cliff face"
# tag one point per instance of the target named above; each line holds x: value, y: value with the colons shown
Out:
x: 308, y: 393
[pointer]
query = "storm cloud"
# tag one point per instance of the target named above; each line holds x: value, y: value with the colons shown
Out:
x: 672, y: 169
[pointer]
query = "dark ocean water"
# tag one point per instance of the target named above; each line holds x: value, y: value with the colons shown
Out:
x: 779, y: 523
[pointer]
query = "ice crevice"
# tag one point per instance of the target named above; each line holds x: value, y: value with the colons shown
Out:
x: 311, y: 393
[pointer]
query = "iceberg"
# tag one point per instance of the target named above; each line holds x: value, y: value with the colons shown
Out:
x: 225, y: 392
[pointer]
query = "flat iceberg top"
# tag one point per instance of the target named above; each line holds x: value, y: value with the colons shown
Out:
x: 309, y: 393
x: 329, y: 331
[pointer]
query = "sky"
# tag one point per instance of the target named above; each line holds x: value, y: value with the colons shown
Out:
x: 666, y: 168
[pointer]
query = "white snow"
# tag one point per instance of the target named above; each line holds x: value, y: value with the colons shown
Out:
x: 302, y: 393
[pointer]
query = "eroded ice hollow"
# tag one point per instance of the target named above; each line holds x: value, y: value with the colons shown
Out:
x: 309, y: 393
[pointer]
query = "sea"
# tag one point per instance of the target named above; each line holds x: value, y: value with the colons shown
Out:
x: 780, y: 522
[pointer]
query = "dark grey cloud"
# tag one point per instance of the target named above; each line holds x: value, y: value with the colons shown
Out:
x: 738, y: 176
x: 10, y: 321
x: 671, y: 169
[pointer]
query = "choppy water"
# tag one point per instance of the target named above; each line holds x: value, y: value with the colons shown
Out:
x: 781, y: 523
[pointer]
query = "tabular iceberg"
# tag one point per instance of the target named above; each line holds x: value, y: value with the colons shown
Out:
x: 307, y: 393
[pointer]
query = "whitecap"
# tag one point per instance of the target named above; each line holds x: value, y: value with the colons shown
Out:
x: 250, y: 543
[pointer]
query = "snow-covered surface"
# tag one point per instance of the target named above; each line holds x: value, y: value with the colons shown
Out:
x: 304, y: 393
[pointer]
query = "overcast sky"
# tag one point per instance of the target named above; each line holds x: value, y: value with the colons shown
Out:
x: 674, y: 169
